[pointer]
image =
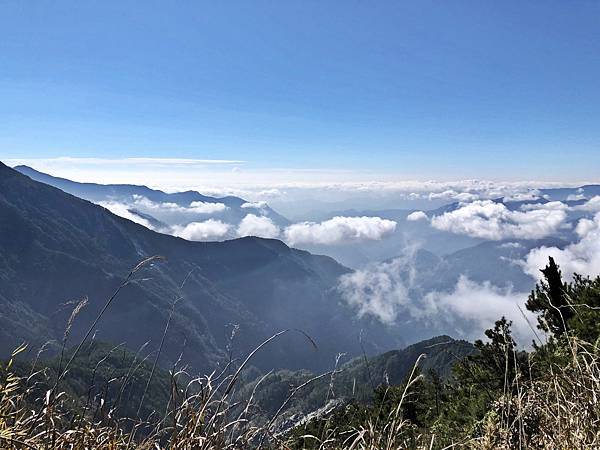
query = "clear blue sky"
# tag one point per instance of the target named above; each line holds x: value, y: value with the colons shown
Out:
x: 447, y: 89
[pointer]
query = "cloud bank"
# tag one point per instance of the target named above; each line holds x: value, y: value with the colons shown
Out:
x: 416, y: 216
x: 261, y: 226
x: 122, y: 210
x: 193, y: 208
x: 206, y: 207
x: 255, y: 205
x: 207, y: 230
x: 480, y: 305
x: 390, y: 293
x: 336, y: 231
x: 582, y: 257
x: 592, y: 205
x: 382, y: 290
x: 223, y: 177
x: 486, y: 219
x: 339, y: 230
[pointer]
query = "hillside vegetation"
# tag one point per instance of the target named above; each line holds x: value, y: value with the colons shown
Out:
x: 495, y: 397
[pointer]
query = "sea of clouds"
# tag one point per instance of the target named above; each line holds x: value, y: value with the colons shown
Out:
x: 335, y: 231
x: 381, y: 290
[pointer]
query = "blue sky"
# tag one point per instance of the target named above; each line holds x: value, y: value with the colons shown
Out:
x: 419, y: 90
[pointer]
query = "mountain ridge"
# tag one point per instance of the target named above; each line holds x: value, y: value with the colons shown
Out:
x: 55, y: 247
x: 134, y: 196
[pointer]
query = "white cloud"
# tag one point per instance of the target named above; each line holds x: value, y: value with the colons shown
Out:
x: 582, y: 257
x: 202, y: 231
x: 481, y: 304
x: 255, y: 205
x: 387, y: 292
x: 510, y: 245
x: 122, y: 210
x: 529, y: 195
x: 578, y: 196
x: 416, y: 216
x: 592, y: 205
x: 260, y: 226
x: 451, y: 194
x: 297, y: 192
x: 206, y: 207
x: 446, y: 195
x: 270, y: 193
x: 194, y: 208
x: 489, y: 220
x: 381, y: 290
x: 339, y: 230
x: 176, y: 174
x: 466, y: 197
x: 585, y: 227
x: 550, y: 206
x: 195, y: 231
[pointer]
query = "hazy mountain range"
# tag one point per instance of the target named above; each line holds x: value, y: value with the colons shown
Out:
x: 172, y: 212
x: 158, y: 208
x: 453, y: 269
x: 56, y: 248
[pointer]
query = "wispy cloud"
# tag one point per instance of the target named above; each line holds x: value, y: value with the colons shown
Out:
x: 480, y: 305
x: 381, y: 290
x: 157, y: 162
x: 123, y: 210
x: 390, y: 292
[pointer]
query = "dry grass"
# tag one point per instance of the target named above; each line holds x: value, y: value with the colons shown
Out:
x: 198, y: 416
x: 560, y: 410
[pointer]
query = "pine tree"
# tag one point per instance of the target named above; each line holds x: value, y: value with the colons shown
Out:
x: 550, y: 298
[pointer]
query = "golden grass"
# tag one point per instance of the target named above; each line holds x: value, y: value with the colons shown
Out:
x: 560, y: 410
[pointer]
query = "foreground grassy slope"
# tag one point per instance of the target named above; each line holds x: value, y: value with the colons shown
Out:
x: 103, y: 378
x: 496, y: 397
